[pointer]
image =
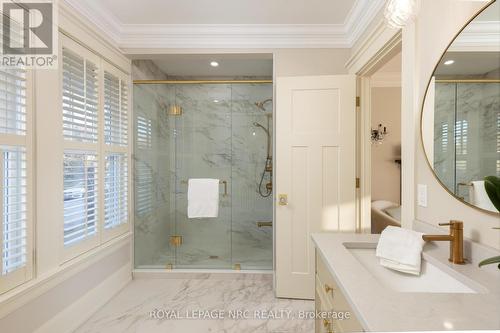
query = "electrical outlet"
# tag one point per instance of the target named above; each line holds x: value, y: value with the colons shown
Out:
x: 422, y: 195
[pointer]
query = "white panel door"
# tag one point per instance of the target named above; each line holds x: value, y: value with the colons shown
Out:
x: 315, y: 163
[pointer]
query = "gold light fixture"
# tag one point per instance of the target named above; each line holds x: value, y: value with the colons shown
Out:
x: 175, y: 110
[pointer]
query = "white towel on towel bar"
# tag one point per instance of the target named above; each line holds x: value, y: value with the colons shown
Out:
x: 400, y: 249
x: 203, y: 198
x: 479, y: 197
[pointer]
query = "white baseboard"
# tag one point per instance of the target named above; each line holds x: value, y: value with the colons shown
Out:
x: 81, y: 310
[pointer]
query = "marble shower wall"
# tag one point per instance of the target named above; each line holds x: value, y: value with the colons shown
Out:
x: 153, y: 162
x: 466, y: 132
x: 213, y: 138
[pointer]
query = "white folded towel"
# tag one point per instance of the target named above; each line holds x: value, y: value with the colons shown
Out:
x: 479, y: 197
x: 203, y: 198
x: 400, y: 249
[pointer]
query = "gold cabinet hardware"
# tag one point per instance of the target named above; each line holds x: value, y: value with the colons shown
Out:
x: 169, y: 266
x: 328, y: 288
x: 328, y: 325
x: 283, y: 199
x: 237, y: 267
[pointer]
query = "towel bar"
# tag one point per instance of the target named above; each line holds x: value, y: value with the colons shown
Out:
x: 220, y: 182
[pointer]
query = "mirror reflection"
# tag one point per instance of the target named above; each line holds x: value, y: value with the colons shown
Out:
x: 461, y: 114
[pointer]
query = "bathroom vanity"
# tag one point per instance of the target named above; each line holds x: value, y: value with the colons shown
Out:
x: 365, y: 296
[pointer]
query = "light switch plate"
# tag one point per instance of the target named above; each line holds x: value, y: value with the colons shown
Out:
x: 422, y: 195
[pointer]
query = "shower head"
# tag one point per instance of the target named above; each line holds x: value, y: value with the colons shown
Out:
x: 261, y: 126
x: 260, y: 105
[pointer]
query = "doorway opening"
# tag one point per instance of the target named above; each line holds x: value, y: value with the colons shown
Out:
x: 386, y: 145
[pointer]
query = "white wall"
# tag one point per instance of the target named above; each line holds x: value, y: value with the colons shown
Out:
x: 437, y: 24
x: 297, y: 62
x: 386, y: 110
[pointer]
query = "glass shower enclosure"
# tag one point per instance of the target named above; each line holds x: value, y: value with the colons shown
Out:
x: 203, y: 130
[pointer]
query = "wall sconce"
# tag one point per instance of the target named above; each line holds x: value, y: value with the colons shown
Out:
x: 379, y: 134
x: 399, y: 12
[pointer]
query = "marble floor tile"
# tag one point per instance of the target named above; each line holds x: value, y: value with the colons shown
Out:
x: 147, y: 306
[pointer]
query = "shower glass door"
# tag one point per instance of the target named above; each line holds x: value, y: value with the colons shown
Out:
x: 202, y: 138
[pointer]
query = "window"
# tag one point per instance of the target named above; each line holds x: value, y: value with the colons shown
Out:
x: 80, y: 114
x: 80, y: 196
x: 115, y: 193
x: 13, y: 165
x: 116, y: 140
x: 80, y: 98
x: 15, y: 223
x: 115, y: 110
x: 96, y: 154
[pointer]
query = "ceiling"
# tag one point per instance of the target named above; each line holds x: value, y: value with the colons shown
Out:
x: 227, y: 11
x: 469, y: 63
x: 230, y: 65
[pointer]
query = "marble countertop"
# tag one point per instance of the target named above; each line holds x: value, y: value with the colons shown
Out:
x: 379, y: 308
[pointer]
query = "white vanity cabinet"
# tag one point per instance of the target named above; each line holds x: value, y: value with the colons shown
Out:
x: 330, y: 300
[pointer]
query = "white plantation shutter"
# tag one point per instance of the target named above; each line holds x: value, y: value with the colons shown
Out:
x: 116, y: 124
x: 116, y: 191
x: 80, y: 98
x: 13, y: 101
x: 80, y: 196
x: 14, y: 189
x: 15, y: 222
x: 96, y: 154
x: 115, y: 110
x: 81, y: 93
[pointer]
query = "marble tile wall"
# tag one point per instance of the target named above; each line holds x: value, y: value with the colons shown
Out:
x: 470, y: 112
x: 213, y: 138
x: 154, y: 204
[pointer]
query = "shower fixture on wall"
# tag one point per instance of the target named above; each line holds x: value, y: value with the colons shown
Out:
x: 268, y: 166
x: 260, y: 105
x: 175, y: 110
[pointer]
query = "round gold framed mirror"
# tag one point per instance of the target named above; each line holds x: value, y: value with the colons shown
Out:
x: 460, y: 120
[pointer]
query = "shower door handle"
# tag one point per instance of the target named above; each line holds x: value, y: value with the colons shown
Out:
x: 283, y: 199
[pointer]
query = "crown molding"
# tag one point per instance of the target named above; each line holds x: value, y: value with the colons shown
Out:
x: 478, y: 36
x: 99, y: 16
x: 256, y: 36
x: 233, y: 36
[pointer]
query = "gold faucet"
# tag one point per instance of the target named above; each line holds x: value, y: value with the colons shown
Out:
x: 456, y: 239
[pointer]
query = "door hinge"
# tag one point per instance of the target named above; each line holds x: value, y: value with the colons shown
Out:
x: 358, y: 101
x: 357, y: 182
x: 176, y: 240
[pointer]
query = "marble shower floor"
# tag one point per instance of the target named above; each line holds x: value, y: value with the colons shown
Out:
x: 140, y: 305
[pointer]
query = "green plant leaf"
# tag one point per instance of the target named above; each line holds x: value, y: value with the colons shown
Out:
x: 492, y: 187
x: 489, y: 261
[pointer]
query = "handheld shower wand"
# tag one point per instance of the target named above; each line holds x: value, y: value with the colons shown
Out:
x: 268, y: 167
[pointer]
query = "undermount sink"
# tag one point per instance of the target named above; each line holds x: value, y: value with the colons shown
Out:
x: 432, y: 279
